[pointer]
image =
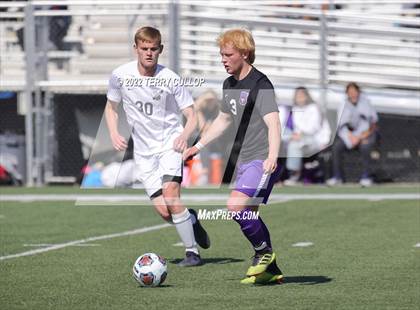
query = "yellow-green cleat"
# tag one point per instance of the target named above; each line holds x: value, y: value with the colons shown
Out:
x: 272, y: 275
x: 263, y: 278
x: 260, y: 264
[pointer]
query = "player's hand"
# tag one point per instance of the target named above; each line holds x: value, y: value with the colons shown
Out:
x: 180, y: 144
x: 118, y: 142
x: 190, y: 152
x: 269, y: 165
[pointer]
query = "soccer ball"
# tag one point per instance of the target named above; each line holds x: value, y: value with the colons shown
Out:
x: 150, y: 269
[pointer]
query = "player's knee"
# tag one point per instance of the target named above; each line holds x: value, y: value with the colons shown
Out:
x: 174, y: 204
x: 172, y: 201
x: 171, y: 188
x: 176, y: 208
x: 171, y: 194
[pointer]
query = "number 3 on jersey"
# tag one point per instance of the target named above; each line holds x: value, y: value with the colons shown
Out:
x: 232, y: 103
x: 146, y: 108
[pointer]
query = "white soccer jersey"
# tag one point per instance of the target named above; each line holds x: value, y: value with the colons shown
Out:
x: 152, y: 105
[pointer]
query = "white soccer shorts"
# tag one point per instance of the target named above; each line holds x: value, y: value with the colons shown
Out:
x: 154, y: 170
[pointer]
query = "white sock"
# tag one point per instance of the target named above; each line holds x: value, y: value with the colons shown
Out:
x: 183, y: 224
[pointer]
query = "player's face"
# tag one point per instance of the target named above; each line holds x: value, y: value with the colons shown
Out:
x: 148, y: 53
x: 353, y: 95
x: 232, y: 59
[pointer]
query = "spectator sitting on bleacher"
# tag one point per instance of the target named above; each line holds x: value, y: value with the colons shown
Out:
x: 356, y: 130
x: 307, y: 132
x: 59, y: 26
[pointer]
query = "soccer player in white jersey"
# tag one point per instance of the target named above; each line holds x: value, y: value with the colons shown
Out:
x: 154, y: 104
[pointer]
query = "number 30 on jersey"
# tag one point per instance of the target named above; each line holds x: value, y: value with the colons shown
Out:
x: 145, y: 108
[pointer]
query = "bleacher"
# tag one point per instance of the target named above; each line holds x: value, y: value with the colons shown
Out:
x: 362, y: 41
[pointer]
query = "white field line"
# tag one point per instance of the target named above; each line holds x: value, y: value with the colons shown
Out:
x: 40, y: 245
x: 204, y: 199
x: 302, y: 244
x: 76, y: 242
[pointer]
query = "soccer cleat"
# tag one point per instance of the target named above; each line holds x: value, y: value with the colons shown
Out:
x: 263, y: 278
x: 260, y: 263
x: 200, y: 234
x: 272, y: 275
x: 274, y: 269
x: 192, y: 259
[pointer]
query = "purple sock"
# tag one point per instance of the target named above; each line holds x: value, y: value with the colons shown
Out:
x: 267, y: 233
x: 255, y: 231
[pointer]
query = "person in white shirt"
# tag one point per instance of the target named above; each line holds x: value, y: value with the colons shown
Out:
x: 154, y: 103
x: 307, y: 133
x: 357, y: 130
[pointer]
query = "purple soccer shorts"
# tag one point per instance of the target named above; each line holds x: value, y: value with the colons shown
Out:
x: 253, y: 182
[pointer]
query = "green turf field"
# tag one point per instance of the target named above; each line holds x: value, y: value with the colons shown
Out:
x: 363, y: 256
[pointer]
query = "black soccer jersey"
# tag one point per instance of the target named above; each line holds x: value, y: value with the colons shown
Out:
x: 247, y: 101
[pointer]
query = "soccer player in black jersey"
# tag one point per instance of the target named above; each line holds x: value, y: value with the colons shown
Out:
x: 249, y: 104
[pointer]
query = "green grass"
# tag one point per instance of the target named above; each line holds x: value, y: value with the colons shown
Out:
x: 363, y: 257
x: 313, y: 189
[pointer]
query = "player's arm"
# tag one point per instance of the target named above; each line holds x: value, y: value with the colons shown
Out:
x: 111, y: 117
x: 273, y: 123
x: 219, y: 125
x: 180, y: 143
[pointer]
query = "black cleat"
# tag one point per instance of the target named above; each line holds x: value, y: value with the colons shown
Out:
x: 191, y: 260
x: 200, y: 234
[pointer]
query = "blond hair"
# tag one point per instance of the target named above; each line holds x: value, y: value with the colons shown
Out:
x: 147, y: 34
x: 241, y: 39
